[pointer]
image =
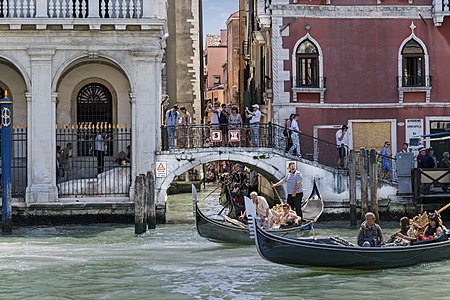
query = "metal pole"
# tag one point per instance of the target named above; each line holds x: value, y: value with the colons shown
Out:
x: 373, y: 174
x: 352, y: 191
x: 364, y: 183
x: 5, y: 107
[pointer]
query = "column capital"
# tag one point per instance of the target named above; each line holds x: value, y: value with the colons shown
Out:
x: 41, y: 54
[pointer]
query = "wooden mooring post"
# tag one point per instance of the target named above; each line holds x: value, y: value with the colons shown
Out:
x: 151, y: 207
x: 144, y: 203
x: 364, y: 182
x: 352, y: 191
x: 373, y: 175
x: 140, y: 224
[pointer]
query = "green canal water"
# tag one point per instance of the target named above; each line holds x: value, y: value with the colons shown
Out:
x: 173, y: 262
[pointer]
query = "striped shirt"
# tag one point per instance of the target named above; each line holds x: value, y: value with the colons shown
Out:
x: 291, y: 179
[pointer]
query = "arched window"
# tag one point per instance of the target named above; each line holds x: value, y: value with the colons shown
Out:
x: 94, y: 105
x: 307, y: 65
x: 413, y: 65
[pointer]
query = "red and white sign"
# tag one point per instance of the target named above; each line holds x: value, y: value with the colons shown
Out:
x: 234, y: 135
x: 216, y: 136
x: 161, y: 169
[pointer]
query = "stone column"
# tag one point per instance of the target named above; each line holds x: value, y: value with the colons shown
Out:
x: 41, y: 159
x: 145, y: 110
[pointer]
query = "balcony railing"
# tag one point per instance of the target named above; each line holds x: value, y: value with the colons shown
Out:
x: 414, y: 81
x: 311, y: 82
x: 117, y: 9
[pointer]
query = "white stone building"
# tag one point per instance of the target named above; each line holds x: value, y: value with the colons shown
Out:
x: 58, y: 55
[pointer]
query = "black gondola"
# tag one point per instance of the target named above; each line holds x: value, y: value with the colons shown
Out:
x: 226, y: 232
x: 339, y: 253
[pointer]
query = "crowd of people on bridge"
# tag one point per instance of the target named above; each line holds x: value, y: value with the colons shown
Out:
x: 225, y: 122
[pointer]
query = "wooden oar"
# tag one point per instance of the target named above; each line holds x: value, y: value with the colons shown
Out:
x: 212, y: 191
x: 444, y: 208
x: 278, y: 195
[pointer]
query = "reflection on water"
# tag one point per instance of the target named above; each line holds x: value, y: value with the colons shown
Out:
x: 173, y: 262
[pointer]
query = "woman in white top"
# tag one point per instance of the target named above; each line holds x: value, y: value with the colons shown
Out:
x: 235, y: 122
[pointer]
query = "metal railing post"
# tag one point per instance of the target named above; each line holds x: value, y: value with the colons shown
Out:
x: 271, y: 134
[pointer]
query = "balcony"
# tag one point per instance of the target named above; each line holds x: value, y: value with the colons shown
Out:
x: 308, y: 85
x: 70, y: 13
x: 440, y: 9
x: 414, y: 84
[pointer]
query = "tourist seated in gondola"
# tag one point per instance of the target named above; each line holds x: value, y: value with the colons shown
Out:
x: 286, y: 218
x: 404, y: 235
x: 370, y: 233
x: 434, y: 227
x: 263, y: 212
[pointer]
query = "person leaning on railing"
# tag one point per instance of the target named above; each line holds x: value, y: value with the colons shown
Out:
x: 171, y: 121
x: 255, y: 119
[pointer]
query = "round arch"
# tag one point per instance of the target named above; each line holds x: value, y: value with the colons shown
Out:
x: 263, y: 166
x: 19, y: 67
x: 87, y: 81
x: 77, y: 59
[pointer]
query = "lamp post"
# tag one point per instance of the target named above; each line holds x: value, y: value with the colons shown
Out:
x: 5, y: 107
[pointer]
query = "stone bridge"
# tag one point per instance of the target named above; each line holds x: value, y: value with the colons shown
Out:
x: 269, y: 162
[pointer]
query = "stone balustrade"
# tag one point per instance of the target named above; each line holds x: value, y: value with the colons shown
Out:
x: 441, y: 9
x: 75, y: 9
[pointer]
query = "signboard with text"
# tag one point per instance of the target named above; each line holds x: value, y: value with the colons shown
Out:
x: 161, y: 169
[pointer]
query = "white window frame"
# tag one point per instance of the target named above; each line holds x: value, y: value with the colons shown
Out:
x: 427, y: 87
x: 296, y: 89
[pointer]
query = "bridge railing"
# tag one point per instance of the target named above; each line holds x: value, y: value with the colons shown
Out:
x: 246, y: 136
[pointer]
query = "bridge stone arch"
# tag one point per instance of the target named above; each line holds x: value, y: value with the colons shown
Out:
x: 266, y: 162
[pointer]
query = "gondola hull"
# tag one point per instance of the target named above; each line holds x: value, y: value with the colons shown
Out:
x: 220, y: 232
x: 338, y: 253
x: 225, y: 232
x: 310, y: 252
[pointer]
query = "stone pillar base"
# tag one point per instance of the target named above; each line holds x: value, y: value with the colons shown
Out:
x: 41, y: 193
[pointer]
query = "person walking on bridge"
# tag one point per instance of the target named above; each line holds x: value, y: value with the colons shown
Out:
x: 294, y: 181
x: 295, y: 136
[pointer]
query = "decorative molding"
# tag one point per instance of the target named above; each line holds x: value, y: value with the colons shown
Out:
x: 345, y: 12
x: 292, y: 105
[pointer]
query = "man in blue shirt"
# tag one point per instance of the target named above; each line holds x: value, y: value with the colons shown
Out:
x: 171, y: 123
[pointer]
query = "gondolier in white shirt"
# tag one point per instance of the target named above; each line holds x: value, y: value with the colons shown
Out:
x: 294, y: 181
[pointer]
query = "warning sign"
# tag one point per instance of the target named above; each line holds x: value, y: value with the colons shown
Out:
x: 234, y: 135
x: 216, y: 136
x: 161, y: 169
